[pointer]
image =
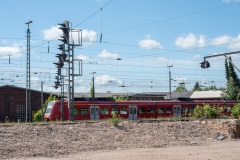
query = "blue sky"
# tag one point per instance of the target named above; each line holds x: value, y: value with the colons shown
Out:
x: 146, y: 35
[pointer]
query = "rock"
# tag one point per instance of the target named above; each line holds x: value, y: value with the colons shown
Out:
x: 221, y: 137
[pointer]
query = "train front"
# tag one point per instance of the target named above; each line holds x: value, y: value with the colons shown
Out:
x: 47, y: 116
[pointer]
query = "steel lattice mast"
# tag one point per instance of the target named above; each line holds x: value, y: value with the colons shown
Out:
x: 28, y: 83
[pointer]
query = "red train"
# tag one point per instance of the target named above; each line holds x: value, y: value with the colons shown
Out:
x: 95, y: 110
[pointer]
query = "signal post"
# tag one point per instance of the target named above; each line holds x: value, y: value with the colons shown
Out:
x: 67, y: 55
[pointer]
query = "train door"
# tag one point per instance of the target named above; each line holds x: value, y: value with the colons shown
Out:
x: 177, y: 111
x: 94, y: 112
x: 132, y: 112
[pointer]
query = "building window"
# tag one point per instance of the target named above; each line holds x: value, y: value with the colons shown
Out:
x: 20, y: 112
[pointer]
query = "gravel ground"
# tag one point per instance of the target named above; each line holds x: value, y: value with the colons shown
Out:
x: 55, y: 140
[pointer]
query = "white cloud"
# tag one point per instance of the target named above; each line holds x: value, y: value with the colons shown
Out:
x: 232, y: 43
x: 14, y: 51
x: 149, y: 43
x: 191, y: 41
x: 234, y: 46
x: 221, y: 40
x: 108, y: 55
x: 52, y: 34
x: 88, y: 36
x: 196, y: 57
x: 163, y: 60
x: 82, y: 57
x: 4, y: 41
x: 106, y: 79
x: 228, y: 1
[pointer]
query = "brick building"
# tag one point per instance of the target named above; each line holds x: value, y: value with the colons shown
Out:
x: 13, y: 102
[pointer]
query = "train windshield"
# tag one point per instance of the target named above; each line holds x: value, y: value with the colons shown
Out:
x: 49, y: 107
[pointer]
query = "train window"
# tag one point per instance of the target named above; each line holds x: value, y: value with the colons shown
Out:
x: 142, y: 110
x: 160, y: 110
x: 149, y: 110
x: 84, y: 111
x: 123, y: 110
x: 184, y: 110
x: 169, y: 110
x: 114, y: 111
x: 191, y: 109
x: 104, y: 111
x: 228, y: 109
x: 75, y: 112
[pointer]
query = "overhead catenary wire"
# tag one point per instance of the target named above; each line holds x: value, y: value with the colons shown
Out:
x: 99, y: 10
x: 172, y: 18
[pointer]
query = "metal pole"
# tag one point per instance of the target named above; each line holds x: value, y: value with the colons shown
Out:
x: 170, y: 96
x: 62, y: 98
x: 42, y: 98
x: 28, y: 87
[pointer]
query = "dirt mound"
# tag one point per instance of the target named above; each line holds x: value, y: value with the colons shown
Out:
x: 57, y: 140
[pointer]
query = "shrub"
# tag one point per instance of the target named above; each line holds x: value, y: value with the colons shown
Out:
x: 198, y: 112
x: 220, y: 111
x: 115, y: 120
x: 236, y: 111
x: 38, y: 117
x: 210, y: 112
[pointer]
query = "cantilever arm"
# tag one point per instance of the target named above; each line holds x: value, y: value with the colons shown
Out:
x: 232, y: 63
x: 224, y: 54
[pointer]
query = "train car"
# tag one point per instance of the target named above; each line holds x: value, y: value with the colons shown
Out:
x: 96, y: 110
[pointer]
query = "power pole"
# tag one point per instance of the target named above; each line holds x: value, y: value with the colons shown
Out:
x: 170, y: 96
x: 28, y: 83
x: 42, y: 98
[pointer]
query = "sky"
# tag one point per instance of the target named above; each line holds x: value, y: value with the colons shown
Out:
x: 140, y: 39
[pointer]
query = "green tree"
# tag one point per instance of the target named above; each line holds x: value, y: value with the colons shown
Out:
x: 227, y: 70
x: 198, y: 112
x: 122, y: 98
x: 197, y: 87
x: 233, y: 74
x: 236, y: 111
x: 210, y: 88
x: 180, y: 88
x: 92, y: 92
x: 232, y: 92
x: 213, y: 87
x: 233, y: 84
x: 210, y: 112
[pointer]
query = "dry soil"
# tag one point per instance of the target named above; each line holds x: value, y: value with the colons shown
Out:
x: 131, y: 140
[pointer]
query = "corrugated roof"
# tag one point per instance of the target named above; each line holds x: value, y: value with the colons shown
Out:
x: 206, y: 94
